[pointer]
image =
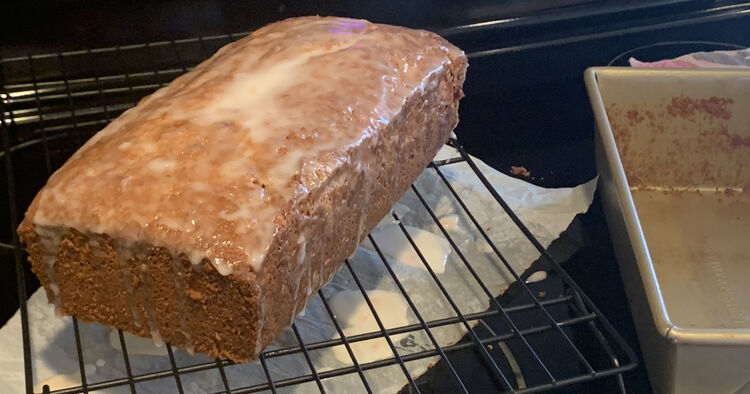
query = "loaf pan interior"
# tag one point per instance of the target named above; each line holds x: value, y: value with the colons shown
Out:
x: 683, y: 139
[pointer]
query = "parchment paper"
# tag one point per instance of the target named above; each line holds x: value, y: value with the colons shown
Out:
x: 547, y: 212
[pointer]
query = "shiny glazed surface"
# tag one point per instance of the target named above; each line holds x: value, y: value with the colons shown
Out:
x: 204, y: 166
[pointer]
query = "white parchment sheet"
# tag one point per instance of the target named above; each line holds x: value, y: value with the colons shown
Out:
x: 547, y: 212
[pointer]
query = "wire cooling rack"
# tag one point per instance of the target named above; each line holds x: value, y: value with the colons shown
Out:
x: 52, y: 103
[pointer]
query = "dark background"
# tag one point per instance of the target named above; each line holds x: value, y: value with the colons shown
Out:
x: 524, y: 88
x: 525, y: 100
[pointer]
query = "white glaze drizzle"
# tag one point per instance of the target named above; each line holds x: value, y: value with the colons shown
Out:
x: 152, y: 320
x: 308, y: 291
x: 362, y: 168
x: 50, y: 241
x: 363, y: 211
x: 181, y: 296
x: 537, y: 277
x: 302, y: 249
x: 301, y: 254
x: 315, y: 280
x: 125, y: 254
x: 222, y: 266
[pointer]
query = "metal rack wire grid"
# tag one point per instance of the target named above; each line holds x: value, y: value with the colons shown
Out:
x: 52, y: 103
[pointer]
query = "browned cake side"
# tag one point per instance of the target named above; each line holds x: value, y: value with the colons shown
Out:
x: 155, y: 291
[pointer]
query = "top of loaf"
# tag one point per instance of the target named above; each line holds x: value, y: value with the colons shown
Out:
x: 204, y: 165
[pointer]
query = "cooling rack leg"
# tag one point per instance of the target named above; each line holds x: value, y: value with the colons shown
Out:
x: 21, y: 280
x: 20, y: 275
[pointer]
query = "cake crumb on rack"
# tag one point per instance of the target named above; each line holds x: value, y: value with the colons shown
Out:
x: 520, y: 171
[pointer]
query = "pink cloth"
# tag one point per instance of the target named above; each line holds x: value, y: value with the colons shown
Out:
x: 716, y: 59
x: 661, y: 63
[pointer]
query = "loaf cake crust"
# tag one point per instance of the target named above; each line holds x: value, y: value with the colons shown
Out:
x: 211, y: 212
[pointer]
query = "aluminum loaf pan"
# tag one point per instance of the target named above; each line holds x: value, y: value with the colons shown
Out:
x: 673, y: 153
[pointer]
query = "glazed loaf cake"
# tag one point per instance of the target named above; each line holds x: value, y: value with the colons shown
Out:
x: 210, y: 213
